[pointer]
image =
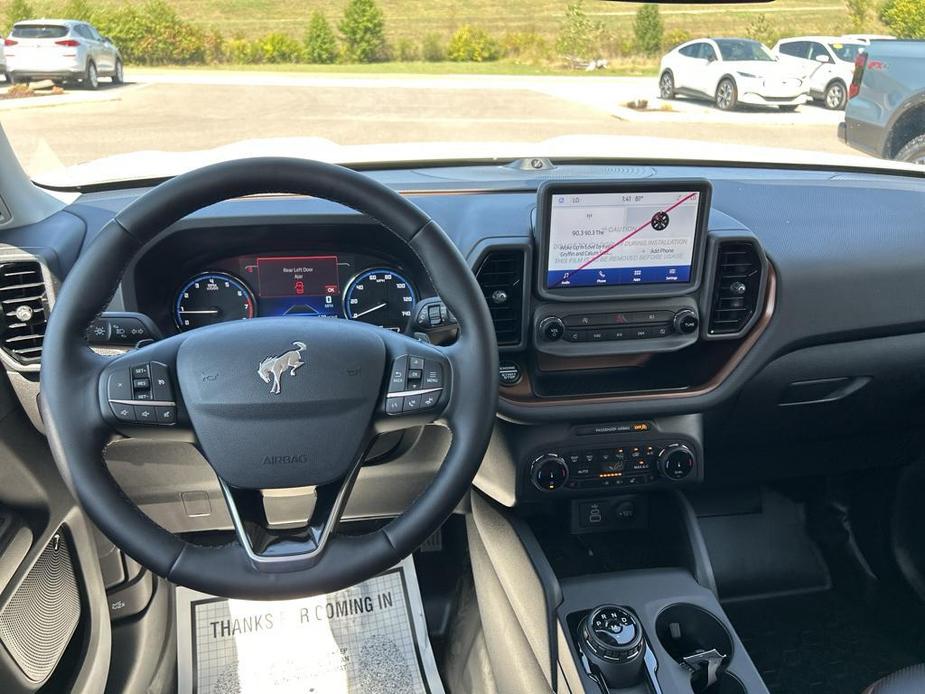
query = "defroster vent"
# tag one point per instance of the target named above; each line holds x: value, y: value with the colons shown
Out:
x: 736, y: 287
x: 501, y: 277
x: 24, y: 302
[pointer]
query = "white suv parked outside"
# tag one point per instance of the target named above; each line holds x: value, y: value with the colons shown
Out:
x: 61, y: 50
x: 731, y: 72
x: 826, y: 61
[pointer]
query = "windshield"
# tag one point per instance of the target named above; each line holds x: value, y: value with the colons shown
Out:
x: 846, y: 51
x: 38, y: 31
x: 140, y: 91
x: 743, y: 50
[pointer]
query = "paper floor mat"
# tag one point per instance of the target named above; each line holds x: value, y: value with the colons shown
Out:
x: 370, y: 639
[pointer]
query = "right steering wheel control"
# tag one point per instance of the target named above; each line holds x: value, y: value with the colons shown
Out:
x: 613, y: 467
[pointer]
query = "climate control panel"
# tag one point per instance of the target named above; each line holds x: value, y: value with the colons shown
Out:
x: 616, y: 466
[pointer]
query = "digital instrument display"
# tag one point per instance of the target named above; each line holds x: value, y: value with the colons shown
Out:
x: 311, y: 276
x: 598, y: 239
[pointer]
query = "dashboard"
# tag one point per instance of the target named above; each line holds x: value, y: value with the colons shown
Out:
x: 657, y: 326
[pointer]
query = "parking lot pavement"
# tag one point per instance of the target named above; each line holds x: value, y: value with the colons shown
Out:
x: 181, y: 110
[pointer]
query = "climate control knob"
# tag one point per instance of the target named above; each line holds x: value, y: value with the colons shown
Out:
x: 686, y: 321
x: 552, y: 328
x: 549, y: 472
x: 676, y: 461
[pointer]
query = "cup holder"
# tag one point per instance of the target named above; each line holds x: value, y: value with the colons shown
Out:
x: 726, y: 684
x: 686, y: 631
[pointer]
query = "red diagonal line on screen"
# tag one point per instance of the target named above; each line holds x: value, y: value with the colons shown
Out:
x: 628, y: 236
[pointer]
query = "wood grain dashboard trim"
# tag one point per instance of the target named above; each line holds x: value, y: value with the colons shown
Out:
x: 531, y: 401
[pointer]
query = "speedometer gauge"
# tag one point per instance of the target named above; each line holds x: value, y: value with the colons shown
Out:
x: 381, y: 297
x: 213, y: 297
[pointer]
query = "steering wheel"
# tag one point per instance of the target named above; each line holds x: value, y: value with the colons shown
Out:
x: 272, y: 403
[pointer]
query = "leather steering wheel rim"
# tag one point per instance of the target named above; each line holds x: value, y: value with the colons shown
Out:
x: 78, y: 433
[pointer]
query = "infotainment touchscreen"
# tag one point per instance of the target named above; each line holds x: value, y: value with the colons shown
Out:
x: 598, y: 239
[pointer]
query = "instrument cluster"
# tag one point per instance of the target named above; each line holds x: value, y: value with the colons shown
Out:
x: 331, y: 285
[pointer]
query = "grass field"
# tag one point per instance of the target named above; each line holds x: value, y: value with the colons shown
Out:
x: 414, y: 18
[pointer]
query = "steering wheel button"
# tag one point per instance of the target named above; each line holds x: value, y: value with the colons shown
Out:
x: 120, y: 386
x: 141, y: 383
x: 415, y: 364
x: 393, y: 405
x: 414, y: 374
x: 145, y: 414
x: 143, y: 395
x: 160, y: 383
x: 433, y: 375
x: 166, y: 415
x: 429, y: 399
x: 140, y: 371
x: 412, y: 403
x: 124, y: 413
x: 399, y: 374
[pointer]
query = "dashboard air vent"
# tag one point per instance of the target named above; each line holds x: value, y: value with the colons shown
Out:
x: 24, y: 301
x: 501, y: 278
x: 736, y: 287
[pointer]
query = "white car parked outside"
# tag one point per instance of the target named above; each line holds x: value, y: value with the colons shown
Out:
x: 826, y: 61
x: 61, y: 50
x: 730, y: 72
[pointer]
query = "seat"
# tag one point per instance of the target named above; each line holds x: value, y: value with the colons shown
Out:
x: 909, y: 680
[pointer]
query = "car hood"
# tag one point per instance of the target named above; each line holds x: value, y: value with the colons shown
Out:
x: 154, y: 165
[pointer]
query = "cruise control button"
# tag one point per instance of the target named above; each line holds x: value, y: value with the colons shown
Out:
x: 124, y: 413
x: 393, y: 405
x: 166, y: 415
x: 145, y: 414
x: 143, y: 395
x: 160, y: 383
x: 120, y: 386
x: 429, y: 399
x: 433, y: 374
x: 141, y: 383
x: 411, y: 403
x: 140, y: 371
x: 399, y: 371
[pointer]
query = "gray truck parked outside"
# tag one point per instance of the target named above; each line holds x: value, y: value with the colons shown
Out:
x: 885, y: 115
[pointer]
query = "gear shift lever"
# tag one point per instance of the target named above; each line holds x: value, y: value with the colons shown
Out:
x: 611, y: 639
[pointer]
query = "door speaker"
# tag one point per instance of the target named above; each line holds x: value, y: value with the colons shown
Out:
x: 41, y: 617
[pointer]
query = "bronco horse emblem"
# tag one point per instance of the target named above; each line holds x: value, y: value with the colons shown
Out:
x: 277, y: 366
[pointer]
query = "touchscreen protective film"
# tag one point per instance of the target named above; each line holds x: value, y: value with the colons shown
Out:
x: 604, y: 239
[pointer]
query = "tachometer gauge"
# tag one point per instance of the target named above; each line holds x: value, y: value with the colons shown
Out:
x: 381, y: 297
x: 213, y: 297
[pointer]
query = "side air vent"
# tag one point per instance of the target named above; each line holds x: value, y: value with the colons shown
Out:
x: 736, y: 287
x: 24, y: 303
x: 501, y: 277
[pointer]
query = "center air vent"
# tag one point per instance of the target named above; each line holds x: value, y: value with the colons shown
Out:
x: 736, y: 287
x: 501, y: 277
x: 24, y: 301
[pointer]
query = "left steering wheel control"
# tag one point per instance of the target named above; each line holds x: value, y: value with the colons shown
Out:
x: 142, y: 394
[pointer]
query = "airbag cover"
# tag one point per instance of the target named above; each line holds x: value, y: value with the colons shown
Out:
x: 281, y: 402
